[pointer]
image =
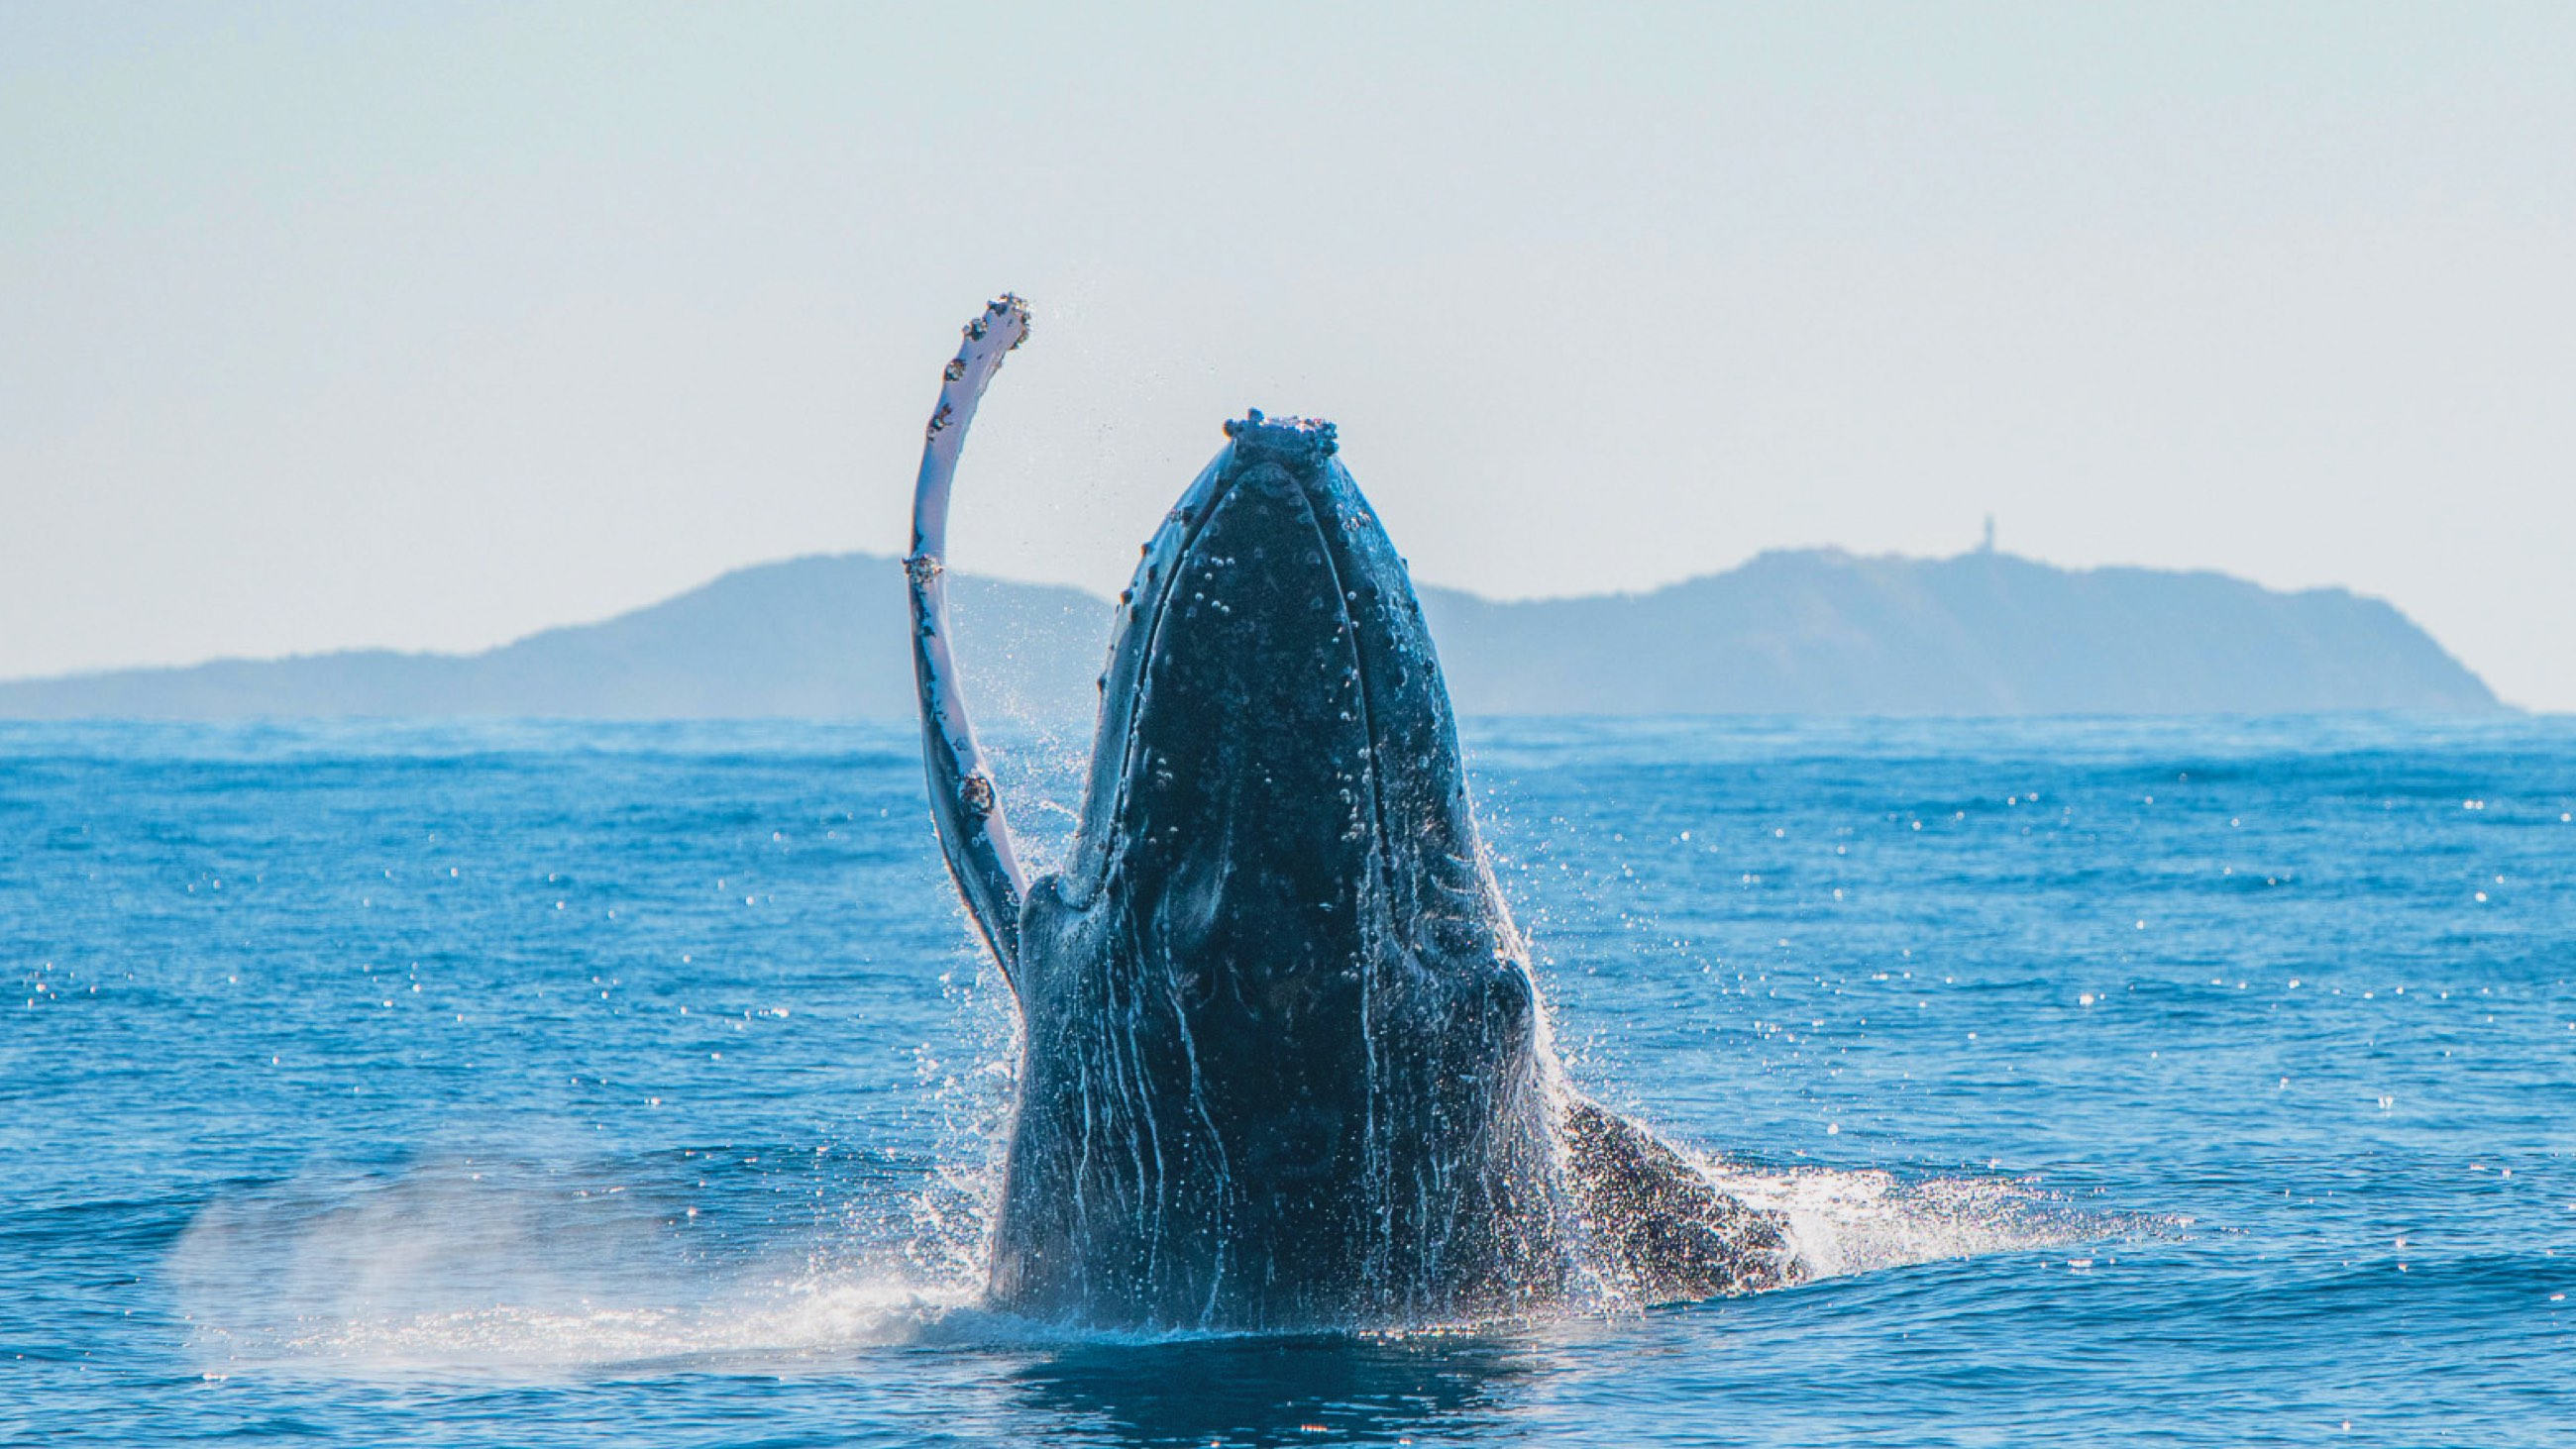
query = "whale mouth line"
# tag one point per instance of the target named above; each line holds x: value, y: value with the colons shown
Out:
x: 1370, y: 777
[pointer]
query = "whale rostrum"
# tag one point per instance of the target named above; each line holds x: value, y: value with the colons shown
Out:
x: 1283, y: 1061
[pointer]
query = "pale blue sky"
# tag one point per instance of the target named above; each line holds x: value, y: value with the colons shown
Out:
x: 339, y: 325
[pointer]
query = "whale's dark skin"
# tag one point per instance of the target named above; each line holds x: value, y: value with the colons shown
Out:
x: 1282, y: 1060
x: 1283, y: 1063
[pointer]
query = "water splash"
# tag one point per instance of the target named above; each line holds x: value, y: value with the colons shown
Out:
x: 471, y: 1265
x: 811, y: 1320
x: 1846, y: 1221
x: 967, y: 1099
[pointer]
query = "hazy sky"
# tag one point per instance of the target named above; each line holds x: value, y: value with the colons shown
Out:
x: 429, y: 326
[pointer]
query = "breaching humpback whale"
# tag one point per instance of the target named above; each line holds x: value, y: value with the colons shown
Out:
x: 1283, y: 1062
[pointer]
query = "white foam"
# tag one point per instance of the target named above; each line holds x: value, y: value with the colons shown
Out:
x: 1843, y: 1221
x: 442, y: 1270
x: 808, y: 1320
x: 450, y: 1269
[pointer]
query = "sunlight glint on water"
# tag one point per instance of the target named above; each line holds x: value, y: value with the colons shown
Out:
x: 2202, y: 1081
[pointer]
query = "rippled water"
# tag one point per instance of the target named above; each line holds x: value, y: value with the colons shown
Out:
x: 2204, y: 1081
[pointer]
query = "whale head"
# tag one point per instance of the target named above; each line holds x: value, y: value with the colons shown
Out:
x: 1276, y: 761
x: 1281, y: 1059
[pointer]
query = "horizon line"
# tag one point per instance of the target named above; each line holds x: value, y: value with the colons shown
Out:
x: 1986, y: 550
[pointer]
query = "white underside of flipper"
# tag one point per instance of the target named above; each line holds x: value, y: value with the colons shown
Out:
x: 963, y: 801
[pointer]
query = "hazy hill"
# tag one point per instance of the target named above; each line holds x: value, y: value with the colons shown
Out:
x: 1822, y: 631
x: 1807, y: 631
x: 816, y: 637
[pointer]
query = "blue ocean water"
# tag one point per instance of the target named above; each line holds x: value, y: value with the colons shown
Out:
x: 2180, y: 1082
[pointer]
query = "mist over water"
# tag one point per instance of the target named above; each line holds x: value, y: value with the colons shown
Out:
x: 2204, y: 1081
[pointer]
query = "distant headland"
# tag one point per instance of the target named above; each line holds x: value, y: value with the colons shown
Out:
x: 1790, y: 632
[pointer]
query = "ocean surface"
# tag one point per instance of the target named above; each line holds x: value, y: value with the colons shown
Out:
x: 2178, y: 1082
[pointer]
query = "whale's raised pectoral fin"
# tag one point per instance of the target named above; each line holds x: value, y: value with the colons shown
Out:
x: 963, y: 801
x: 1669, y: 1234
